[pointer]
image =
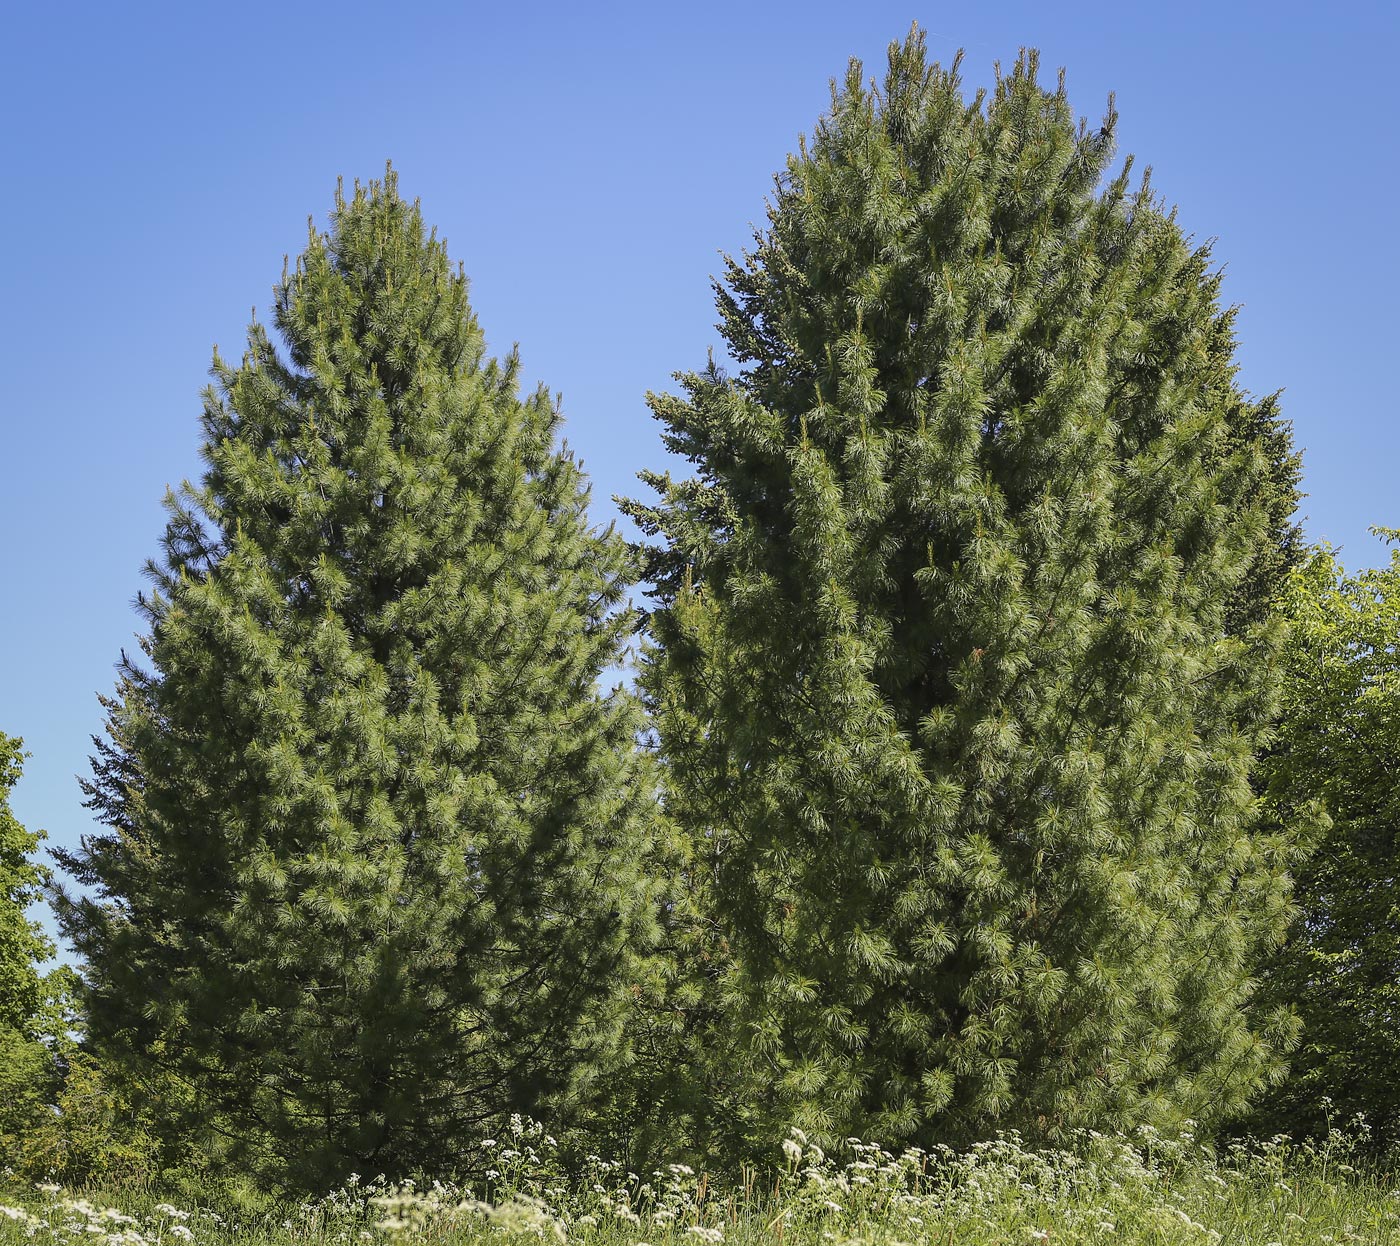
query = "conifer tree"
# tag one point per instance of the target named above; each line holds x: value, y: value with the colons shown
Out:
x: 374, y: 866
x: 960, y: 653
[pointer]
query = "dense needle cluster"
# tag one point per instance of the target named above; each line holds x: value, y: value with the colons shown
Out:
x: 376, y: 865
x: 962, y: 646
x: 959, y: 669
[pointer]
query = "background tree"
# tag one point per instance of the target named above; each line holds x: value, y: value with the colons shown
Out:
x: 1339, y: 743
x: 375, y: 866
x: 960, y: 669
x: 28, y: 1071
x: 22, y: 943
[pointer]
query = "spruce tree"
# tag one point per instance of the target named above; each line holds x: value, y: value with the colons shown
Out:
x: 374, y: 871
x: 961, y: 655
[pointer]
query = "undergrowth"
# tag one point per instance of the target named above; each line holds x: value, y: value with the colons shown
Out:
x: 1106, y: 1189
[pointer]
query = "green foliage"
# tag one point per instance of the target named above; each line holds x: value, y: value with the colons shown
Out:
x: 61, y: 1117
x: 29, y: 1072
x: 1108, y: 1190
x: 22, y: 944
x: 1263, y: 442
x: 1339, y: 744
x: 375, y: 870
x: 962, y: 656
x: 28, y: 1083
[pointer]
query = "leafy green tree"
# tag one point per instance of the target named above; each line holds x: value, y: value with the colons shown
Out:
x: 29, y: 1069
x: 22, y: 879
x: 1339, y: 744
x: 962, y: 655
x: 60, y: 1119
x: 375, y: 867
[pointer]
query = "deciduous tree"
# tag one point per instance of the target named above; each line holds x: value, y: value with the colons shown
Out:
x: 1339, y: 745
x: 28, y: 1073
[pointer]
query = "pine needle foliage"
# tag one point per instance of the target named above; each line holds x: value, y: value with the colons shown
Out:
x: 961, y: 650
x: 374, y: 871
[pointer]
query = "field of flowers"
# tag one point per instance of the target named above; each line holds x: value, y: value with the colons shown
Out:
x: 1144, y: 1189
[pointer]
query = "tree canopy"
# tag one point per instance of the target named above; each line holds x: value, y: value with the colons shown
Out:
x: 374, y: 871
x: 962, y: 652
x: 1338, y: 746
x: 22, y: 878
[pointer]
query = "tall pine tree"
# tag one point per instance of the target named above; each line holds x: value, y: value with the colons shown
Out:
x: 374, y: 871
x: 961, y: 650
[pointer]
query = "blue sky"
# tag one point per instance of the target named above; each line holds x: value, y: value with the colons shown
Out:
x: 587, y: 163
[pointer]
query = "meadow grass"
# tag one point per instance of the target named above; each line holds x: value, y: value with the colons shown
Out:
x: 1107, y: 1189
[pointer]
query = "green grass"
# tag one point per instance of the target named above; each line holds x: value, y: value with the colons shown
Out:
x: 1145, y: 1189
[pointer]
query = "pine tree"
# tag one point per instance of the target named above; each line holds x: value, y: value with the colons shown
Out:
x: 374, y: 871
x: 960, y: 654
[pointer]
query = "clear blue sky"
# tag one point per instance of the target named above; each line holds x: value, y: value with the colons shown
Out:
x: 586, y: 162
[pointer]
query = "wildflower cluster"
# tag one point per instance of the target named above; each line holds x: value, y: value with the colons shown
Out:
x: 1148, y: 1187
x: 59, y: 1218
x: 527, y: 1193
